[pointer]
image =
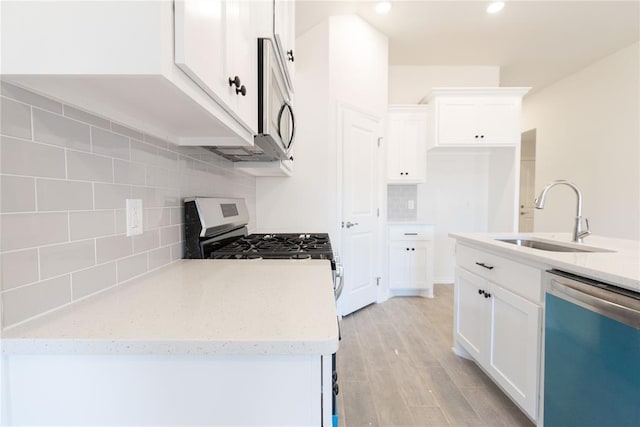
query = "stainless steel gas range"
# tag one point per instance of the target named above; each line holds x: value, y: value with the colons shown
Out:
x: 216, y: 228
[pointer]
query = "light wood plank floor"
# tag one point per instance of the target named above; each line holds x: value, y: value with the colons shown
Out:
x: 396, y: 368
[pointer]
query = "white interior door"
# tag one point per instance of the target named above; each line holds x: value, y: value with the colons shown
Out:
x: 360, y: 209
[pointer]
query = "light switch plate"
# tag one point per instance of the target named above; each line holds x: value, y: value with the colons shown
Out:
x: 134, y: 217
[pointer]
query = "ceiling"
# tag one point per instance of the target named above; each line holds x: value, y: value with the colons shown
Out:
x: 535, y: 43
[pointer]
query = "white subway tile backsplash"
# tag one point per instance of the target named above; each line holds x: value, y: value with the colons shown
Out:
x: 27, y: 301
x: 32, y: 229
x: 65, y: 258
x: 17, y: 194
x: 132, y: 266
x: 81, y: 168
x: 90, y: 224
x: 127, y: 131
x: 157, y: 177
x: 177, y: 216
x: 159, y: 257
x: 150, y: 139
x: 128, y: 173
x: 169, y: 235
x: 21, y: 157
x: 83, y: 116
x: 10, y: 91
x: 114, y: 247
x: 109, y: 144
x: 144, y: 153
x: 146, y: 241
x: 177, y: 251
x: 156, y: 218
x: 89, y: 167
x: 58, y: 195
x: 121, y: 221
x: 19, y: 268
x: 15, y: 118
x: 58, y: 130
x: 111, y: 196
x: 94, y: 279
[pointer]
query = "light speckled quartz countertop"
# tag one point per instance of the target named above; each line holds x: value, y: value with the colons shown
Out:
x: 200, y: 307
x: 620, y: 267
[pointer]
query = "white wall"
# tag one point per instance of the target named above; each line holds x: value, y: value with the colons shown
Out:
x: 408, y: 84
x: 587, y: 131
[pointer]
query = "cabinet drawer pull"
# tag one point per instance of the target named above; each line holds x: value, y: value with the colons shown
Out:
x: 482, y: 264
x: 480, y: 292
x: 410, y: 234
x: 487, y: 295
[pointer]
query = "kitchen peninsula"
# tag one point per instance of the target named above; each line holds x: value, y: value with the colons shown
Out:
x: 215, y: 342
x: 501, y: 316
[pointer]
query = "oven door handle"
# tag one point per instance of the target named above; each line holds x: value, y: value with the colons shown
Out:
x: 340, y: 274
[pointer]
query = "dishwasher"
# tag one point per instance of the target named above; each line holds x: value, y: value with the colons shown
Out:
x: 592, y: 353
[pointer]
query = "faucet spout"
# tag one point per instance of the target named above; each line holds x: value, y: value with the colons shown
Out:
x: 579, y: 232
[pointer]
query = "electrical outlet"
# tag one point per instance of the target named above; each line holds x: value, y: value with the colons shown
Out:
x: 411, y: 205
x: 134, y: 217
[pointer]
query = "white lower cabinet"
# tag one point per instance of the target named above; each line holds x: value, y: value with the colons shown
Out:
x: 499, y: 329
x: 411, y: 260
x: 124, y: 390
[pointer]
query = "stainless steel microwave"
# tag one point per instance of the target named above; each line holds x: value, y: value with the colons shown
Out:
x: 276, y: 120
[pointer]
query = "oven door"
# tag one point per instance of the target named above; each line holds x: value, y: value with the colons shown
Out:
x: 276, y: 119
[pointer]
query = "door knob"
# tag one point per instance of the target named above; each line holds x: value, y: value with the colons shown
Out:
x: 350, y: 224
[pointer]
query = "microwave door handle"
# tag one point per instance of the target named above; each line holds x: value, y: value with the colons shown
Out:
x: 286, y: 145
x: 293, y: 128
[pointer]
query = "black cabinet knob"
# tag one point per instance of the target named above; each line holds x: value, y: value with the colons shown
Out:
x: 234, y: 81
x: 407, y: 248
x: 477, y: 136
x: 487, y: 295
x: 336, y: 389
x: 413, y: 249
x: 406, y: 173
x: 481, y: 136
x: 290, y: 56
x: 242, y: 90
x: 480, y: 292
x: 335, y: 376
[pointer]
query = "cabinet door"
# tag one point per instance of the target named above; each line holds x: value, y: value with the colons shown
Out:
x: 457, y: 121
x: 514, y: 340
x: 406, y: 151
x: 200, y: 45
x: 400, y: 265
x: 242, y: 60
x: 395, y: 170
x: 472, y: 314
x: 284, y: 14
x: 499, y: 121
x: 419, y: 265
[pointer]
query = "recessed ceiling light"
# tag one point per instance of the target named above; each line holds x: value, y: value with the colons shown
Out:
x: 383, y: 7
x: 495, y: 7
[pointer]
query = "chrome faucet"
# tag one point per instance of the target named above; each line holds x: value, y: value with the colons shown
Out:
x: 578, y: 231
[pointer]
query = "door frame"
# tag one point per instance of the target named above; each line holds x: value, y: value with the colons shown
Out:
x: 380, y: 269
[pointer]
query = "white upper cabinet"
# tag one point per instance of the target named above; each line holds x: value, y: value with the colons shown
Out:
x: 475, y: 116
x: 144, y: 64
x: 215, y: 46
x: 406, y: 144
x: 284, y: 33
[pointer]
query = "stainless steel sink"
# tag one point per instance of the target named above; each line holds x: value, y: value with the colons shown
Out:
x: 547, y: 246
